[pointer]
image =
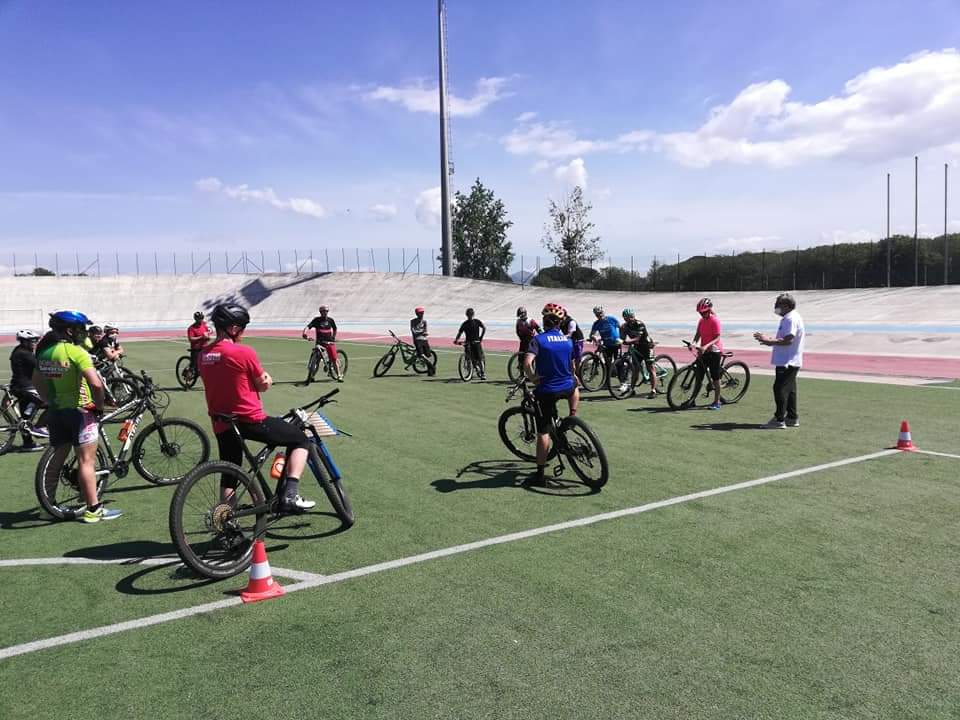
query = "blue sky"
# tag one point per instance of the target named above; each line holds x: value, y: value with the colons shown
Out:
x: 693, y: 126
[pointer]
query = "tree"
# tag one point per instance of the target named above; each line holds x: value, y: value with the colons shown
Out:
x: 480, y: 246
x: 568, y: 234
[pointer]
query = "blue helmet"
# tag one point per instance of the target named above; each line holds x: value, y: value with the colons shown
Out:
x: 68, y: 318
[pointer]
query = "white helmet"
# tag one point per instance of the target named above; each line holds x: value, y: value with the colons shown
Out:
x: 27, y: 335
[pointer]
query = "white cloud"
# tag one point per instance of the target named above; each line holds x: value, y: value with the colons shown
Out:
x: 420, y: 98
x: 575, y: 173
x: 428, y: 206
x: 752, y: 243
x: 383, y: 212
x: 551, y: 141
x: 847, y: 236
x: 266, y: 196
x: 525, y: 117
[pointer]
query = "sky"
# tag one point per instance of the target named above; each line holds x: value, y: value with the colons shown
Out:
x: 693, y: 126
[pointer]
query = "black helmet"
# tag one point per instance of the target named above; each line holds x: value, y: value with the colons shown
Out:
x: 95, y: 330
x: 521, y: 312
x: 469, y: 312
x: 223, y: 316
x: 198, y: 316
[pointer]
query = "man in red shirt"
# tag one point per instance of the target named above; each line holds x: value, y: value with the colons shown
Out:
x: 710, y: 347
x: 233, y: 379
x: 326, y: 328
x: 197, y: 334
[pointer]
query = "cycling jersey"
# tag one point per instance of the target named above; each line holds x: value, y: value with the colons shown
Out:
x: 326, y: 328
x: 198, y: 334
x: 526, y: 329
x: 229, y: 373
x: 571, y: 329
x: 708, y: 329
x: 636, y: 330
x: 609, y: 330
x: 472, y: 329
x: 22, y: 364
x: 62, y: 365
x: 554, y: 353
x: 418, y: 329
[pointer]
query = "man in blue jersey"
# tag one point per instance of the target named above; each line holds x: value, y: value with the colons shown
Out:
x: 554, y: 379
x: 606, y: 330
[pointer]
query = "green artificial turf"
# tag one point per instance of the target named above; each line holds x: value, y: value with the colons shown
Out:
x: 831, y: 595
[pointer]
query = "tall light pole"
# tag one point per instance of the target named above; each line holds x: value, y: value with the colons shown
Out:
x: 916, y: 216
x: 946, y: 243
x: 446, y: 263
x: 889, y: 252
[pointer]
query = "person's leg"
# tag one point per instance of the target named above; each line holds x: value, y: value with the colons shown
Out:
x: 231, y: 451
x: 86, y: 473
x: 27, y: 405
x: 546, y: 412
x: 481, y: 361
x: 780, y: 393
x: 791, y: 395
x: 331, y: 349
x: 277, y: 432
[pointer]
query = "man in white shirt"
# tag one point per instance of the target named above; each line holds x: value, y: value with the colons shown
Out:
x: 787, y: 358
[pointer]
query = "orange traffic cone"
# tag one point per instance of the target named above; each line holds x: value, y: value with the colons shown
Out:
x: 261, y: 585
x: 905, y: 442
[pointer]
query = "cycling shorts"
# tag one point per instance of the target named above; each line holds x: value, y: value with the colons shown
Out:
x: 330, y: 347
x: 547, y: 408
x: 269, y: 431
x: 577, y: 349
x: 72, y: 426
x: 712, y: 361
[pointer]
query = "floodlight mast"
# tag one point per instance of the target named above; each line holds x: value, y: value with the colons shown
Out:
x: 446, y: 262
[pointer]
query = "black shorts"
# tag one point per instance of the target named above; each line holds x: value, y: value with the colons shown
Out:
x: 72, y: 426
x: 269, y: 431
x: 475, y: 350
x: 28, y: 401
x: 712, y: 361
x: 547, y: 408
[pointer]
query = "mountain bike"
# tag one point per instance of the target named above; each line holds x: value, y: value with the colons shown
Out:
x: 595, y: 367
x: 411, y: 358
x: 571, y: 438
x: 470, y: 361
x: 630, y: 370
x: 515, y: 366
x: 119, y: 383
x: 687, y: 382
x: 320, y: 357
x: 13, y: 424
x: 162, y: 453
x: 213, y: 528
x: 186, y: 372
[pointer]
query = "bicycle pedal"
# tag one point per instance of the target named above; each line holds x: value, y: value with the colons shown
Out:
x: 557, y: 470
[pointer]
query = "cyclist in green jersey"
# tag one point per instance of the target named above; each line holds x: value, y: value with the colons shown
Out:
x: 69, y: 384
x: 637, y: 339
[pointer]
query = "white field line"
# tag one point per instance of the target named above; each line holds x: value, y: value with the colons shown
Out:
x: 320, y: 580
x: 939, y: 454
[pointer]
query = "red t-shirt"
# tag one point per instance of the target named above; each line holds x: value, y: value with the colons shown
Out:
x: 197, y: 335
x: 709, y: 328
x: 228, y: 371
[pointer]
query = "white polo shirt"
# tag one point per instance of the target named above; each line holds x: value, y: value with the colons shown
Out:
x: 789, y: 355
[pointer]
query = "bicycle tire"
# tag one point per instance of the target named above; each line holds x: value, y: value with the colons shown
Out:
x: 313, y: 364
x: 586, y: 454
x: 342, y: 362
x: 57, y: 489
x: 186, y: 376
x: 384, y: 363
x: 164, y: 470
x: 333, y: 489
x: 665, y: 367
x: 122, y: 390
x: 734, y: 385
x: 593, y: 371
x: 8, y: 432
x: 515, y: 367
x: 519, y: 436
x: 465, y: 368
x: 683, y: 388
x: 613, y: 381
x: 208, y: 539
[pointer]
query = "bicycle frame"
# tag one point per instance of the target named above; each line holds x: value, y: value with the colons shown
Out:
x: 530, y: 404
x: 407, y: 351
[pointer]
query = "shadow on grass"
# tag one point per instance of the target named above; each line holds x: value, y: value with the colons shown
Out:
x: 653, y: 410
x: 299, y: 527
x: 728, y: 426
x: 496, y: 474
x: 26, y: 519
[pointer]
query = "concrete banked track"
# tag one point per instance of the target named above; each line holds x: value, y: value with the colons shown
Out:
x: 902, y: 331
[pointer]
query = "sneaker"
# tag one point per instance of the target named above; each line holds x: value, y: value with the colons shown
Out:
x: 652, y: 395
x: 296, y: 504
x: 32, y: 447
x: 624, y: 387
x: 40, y: 432
x: 774, y: 424
x: 793, y: 423
x: 94, y: 516
x: 715, y: 406
x: 339, y: 378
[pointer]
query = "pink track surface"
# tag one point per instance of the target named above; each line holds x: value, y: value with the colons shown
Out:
x: 903, y: 366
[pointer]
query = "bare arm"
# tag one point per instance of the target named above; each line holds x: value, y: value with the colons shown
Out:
x: 41, y: 385
x: 96, y: 386
x: 528, y: 368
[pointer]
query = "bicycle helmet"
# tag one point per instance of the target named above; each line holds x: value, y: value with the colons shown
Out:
x: 555, y: 310
x: 95, y: 330
x: 469, y: 312
x: 598, y: 310
x: 224, y: 316
x: 198, y: 316
x: 107, y: 329
x: 68, y: 318
x: 704, y: 304
x: 628, y: 313
x: 418, y: 310
x: 323, y: 308
x: 521, y: 312
x: 27, y: 335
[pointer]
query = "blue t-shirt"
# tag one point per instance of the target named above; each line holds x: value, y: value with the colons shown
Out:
x: 609, y: 330
x: 554, y: 353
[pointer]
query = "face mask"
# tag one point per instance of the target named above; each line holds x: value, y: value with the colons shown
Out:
x: 779, y: 311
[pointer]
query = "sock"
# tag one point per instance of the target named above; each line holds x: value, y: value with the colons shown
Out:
x: 540, y: 470
x: 94, y: 508
x: 291, y: 489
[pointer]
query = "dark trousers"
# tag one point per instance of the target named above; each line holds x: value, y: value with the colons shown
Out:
x: 785, y: 392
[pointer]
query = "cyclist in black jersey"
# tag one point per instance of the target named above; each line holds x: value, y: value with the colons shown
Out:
x: 326, y: 328
x: 473, y: 331
x: 23, y: 361
x: 418, y: 331
x: 637, y: 340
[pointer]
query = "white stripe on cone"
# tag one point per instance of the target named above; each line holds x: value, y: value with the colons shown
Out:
x: 259, y: 571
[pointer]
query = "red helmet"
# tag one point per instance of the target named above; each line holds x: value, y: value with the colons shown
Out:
x: 554, y: 309
x: 418, y: 310
x: 704, y: 304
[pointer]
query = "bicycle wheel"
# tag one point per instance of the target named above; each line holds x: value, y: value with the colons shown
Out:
x: 518, y: 432
x: 593, y: 371
x: 186, y: 375
x: 515, y: 367
x: 313, y: 364
x: 342, y: 362
x: 333, y: 489
x: 209, y: 538
x: 665, y: 368
x: 384, y: 363
x: 628, y: 369
x: 424, y: 364
x: 57, y: 485
x: 583, y: 449
x: 683, y: 388
x: 121, y: 390
x: 8, y: 429
x: 465, y: 368
x: 734, y: 381
x: 167, y: 450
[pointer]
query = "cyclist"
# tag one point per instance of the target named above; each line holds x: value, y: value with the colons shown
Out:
x: 473, y: 331
x: 710, y: 347
x: 554, y: 380
x: 526, y: 329
x: 99, y: 347
x: 198, y: 335
x: 23, y: 361
x: 570, y: 328
x: 418, y: 330
x: 233, y: 379
x: 111, y: 341
x: 606, y: 331
x: 69, y: 384
x: 637, y: 339
x: 326, y: 335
